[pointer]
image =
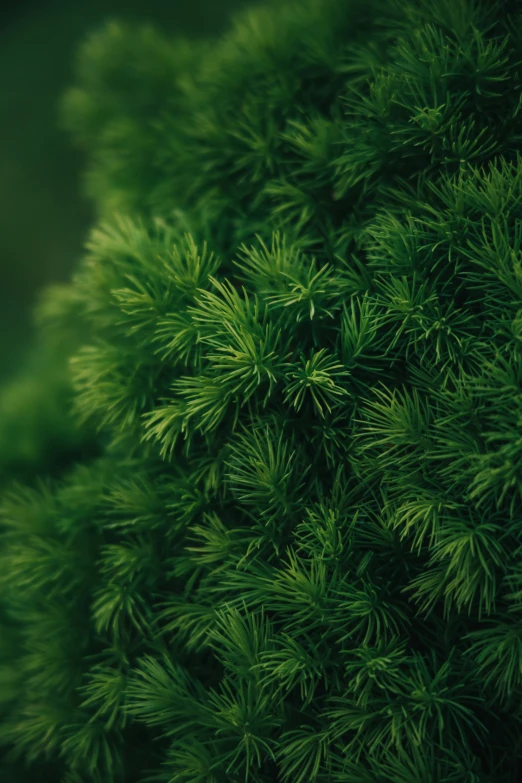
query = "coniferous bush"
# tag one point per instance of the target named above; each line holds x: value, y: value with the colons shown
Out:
x: 261, y: 513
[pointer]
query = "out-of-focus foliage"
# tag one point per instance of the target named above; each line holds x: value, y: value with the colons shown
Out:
x: 43, y: 217
x: 292, y: 553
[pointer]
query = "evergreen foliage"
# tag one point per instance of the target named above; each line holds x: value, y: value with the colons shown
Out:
x: 282, y: 539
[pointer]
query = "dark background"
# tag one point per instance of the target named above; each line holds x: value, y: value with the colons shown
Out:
x: 43, y: 217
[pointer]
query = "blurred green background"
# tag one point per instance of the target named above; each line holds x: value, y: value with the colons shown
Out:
x: 43, y: 216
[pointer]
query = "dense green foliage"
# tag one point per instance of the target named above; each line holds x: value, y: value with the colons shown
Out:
x: 292, y: 550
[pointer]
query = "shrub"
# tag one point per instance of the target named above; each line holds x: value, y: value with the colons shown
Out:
x: 291, y: 550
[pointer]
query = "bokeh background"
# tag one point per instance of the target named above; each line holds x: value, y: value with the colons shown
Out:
x: 43, y: 216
